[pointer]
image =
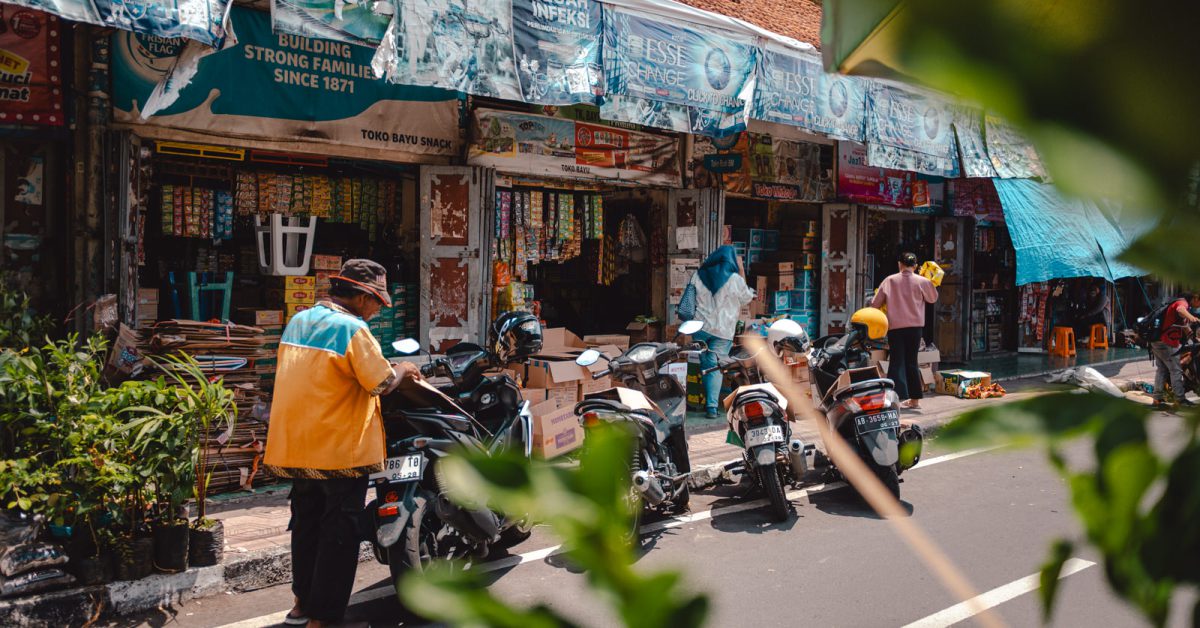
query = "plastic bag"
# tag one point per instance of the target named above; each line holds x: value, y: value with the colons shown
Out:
x: 1087, y: 378
x: 17, y: 528
x: 35, y: 581
x: 19, y: 559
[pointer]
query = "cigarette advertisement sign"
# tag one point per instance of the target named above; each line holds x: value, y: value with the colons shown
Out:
x: 30, y: 78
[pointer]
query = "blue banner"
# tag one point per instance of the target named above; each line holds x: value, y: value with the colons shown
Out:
x: 464, y: 47
x: 968, y: 128
x: 1012, y: 155
x: 910, y: 130
x: 792, y: 88
x: 337, y: 20
x: 684, y: 64
x: 201, y: 20
x: 671, y: 117
x: 556, y: 45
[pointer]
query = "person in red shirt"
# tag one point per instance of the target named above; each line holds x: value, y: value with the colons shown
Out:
x: 1175, y: 320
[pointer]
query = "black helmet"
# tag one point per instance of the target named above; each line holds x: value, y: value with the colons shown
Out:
x: 515, y: 336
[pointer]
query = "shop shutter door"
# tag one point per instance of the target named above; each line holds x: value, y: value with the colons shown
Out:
x: 454, y: 204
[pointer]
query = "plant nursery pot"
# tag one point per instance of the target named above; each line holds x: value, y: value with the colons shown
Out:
x: 93, y: 570
x: 207, y: 545
x: 171, y: 546
x: 134, y: 558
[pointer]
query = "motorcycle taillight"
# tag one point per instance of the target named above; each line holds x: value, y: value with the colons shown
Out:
x: 871, y: 403
x: 756, y: 411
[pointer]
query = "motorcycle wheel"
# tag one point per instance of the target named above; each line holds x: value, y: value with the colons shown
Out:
x: 773, y: 487
x: 889, y: 477
x: 683, y: 464
x: 418, y: 546
x: 515, y: 535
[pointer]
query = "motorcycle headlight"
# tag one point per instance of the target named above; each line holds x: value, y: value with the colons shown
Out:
x: 642, y: 354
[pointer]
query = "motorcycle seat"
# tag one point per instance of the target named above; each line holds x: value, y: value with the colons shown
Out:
x: 754, y: 395
x: 588, y: 405
x: 863, y: 387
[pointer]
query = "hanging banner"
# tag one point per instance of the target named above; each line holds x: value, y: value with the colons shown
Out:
x: 200, y: 20
x: 793, y: 88
x: 1012, y: 155
x: 285, y: 87
x: 336, y: 20
x: 968, y: 129
x: 762, y: 166
x: 534, y: 145
x: 671, y: 117
x: 30, y: 70
x: 556, y: 44
x: 977, y: 198
x: 909, y: 130
x: 459, y: 46
x: 860, y: 183
x: 684, y: 64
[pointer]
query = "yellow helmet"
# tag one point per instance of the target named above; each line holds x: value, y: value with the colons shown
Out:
x: 873, y: 320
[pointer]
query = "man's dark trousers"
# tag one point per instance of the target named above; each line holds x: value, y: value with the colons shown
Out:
x: 325, y: 540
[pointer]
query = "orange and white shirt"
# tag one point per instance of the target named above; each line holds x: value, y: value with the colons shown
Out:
x: 325, y: 414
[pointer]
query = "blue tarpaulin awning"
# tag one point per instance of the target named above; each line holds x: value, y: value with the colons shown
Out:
x: 1058, y: 237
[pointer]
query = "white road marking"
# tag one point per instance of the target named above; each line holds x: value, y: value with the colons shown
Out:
x: 991, y: 599
x: 511, y: 562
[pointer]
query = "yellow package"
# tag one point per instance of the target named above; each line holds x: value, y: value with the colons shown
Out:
x: 933, y: 272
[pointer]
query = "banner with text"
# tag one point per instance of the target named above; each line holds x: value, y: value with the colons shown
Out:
x: 910, y: 130
x: 760, y: 165
x: 793, y: 88
x: 284, y: 87
x: 463, y: 47
x: 968, y: 129
x: 680, y: 63
x: 1012, y: 155
x: 525, y: 144
x: 336, y: 20
x: 201, y: 20
x: 861, y: 183
x: 556, y: 44
x: 30, y: 72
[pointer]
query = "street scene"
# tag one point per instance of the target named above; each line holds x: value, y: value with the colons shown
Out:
x: 598, y: 312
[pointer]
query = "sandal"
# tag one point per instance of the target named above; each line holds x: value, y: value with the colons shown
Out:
x: 295, y: 620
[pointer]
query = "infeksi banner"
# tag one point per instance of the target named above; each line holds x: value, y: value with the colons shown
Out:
x: 688, y: 64
x: 281, y: 87
x: 556, y: 44
x: 792, y: 88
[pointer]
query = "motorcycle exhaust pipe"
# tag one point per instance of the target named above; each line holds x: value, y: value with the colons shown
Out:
x: 798, y: 459
x: 650, y: 488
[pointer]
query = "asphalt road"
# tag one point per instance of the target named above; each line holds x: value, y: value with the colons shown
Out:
x: 834, y: 563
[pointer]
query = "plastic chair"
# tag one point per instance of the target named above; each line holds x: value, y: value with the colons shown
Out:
x: 279, y: 245
x: 1099, y: 337
x: 1064, y: 342
x: 199, y: 285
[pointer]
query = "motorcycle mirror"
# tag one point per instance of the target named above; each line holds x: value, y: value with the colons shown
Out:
x: 588, y: 358
x: 688, y: 328
x: 407, y: 346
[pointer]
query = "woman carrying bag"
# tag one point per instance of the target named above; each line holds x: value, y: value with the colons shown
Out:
x: 714, y: 296
x: 905, y: 295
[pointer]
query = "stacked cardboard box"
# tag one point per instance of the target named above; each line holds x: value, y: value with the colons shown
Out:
x: 147, y: 306
x: 927, y: 362
x: 324, y: 267
x: 299, y: 293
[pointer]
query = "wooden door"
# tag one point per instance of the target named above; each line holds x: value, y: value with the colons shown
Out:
x: 841, y: 251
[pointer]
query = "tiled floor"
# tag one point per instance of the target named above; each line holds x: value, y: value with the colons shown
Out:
x: 1017, y: 365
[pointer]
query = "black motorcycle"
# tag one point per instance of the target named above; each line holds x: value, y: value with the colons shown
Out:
x: 760, y: 420
x: 414, y: 521
x: 865, y: 410
x: 653, y: 405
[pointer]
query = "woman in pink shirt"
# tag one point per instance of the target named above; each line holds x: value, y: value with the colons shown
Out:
x: 905, y: 295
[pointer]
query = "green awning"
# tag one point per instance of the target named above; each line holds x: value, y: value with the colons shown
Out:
x: 859, y: 37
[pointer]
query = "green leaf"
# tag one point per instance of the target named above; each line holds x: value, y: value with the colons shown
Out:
x: 1060, y: 552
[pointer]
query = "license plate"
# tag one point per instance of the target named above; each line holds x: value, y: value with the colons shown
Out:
x: 763, y: 435
x: 400, y: 469
x: 889, y: 420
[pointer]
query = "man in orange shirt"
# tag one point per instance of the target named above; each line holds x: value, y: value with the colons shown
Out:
x: 326, y: 434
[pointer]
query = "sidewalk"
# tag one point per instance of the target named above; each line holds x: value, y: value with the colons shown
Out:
x: 257, y: 541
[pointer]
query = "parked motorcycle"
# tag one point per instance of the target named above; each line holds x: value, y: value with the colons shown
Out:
x: 866, y: 412
x: 759, y: 417
x: 1189, y: 359
x: 414, y: 520
x: 653, y: 405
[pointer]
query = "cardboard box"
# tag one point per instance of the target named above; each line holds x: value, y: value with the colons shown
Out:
x: 781, y: 301
x: 556, y: 430
x: 781, y: 282
x: 925, y: 358
x: 955, y: 382
x: 146, y: 296
x: 620, y: 341
x: 589, y: 385
x: 644, y: 332
x: 534, y: 395
x: 854, y: 376
x: 678, y: 370
x: 879, y: 356
x: 292, y: 309
x: 927, y: 379
x: 774, y: 268
x: 326, y: 262
x: 300, y: 295
x: 147, y: 312
x: 259, y: 318
x: 299, y: 281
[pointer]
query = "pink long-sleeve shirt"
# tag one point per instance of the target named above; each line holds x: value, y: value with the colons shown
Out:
x: 905, y: 295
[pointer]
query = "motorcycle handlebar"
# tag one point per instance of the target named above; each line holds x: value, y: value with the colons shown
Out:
x: 599, y: 374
